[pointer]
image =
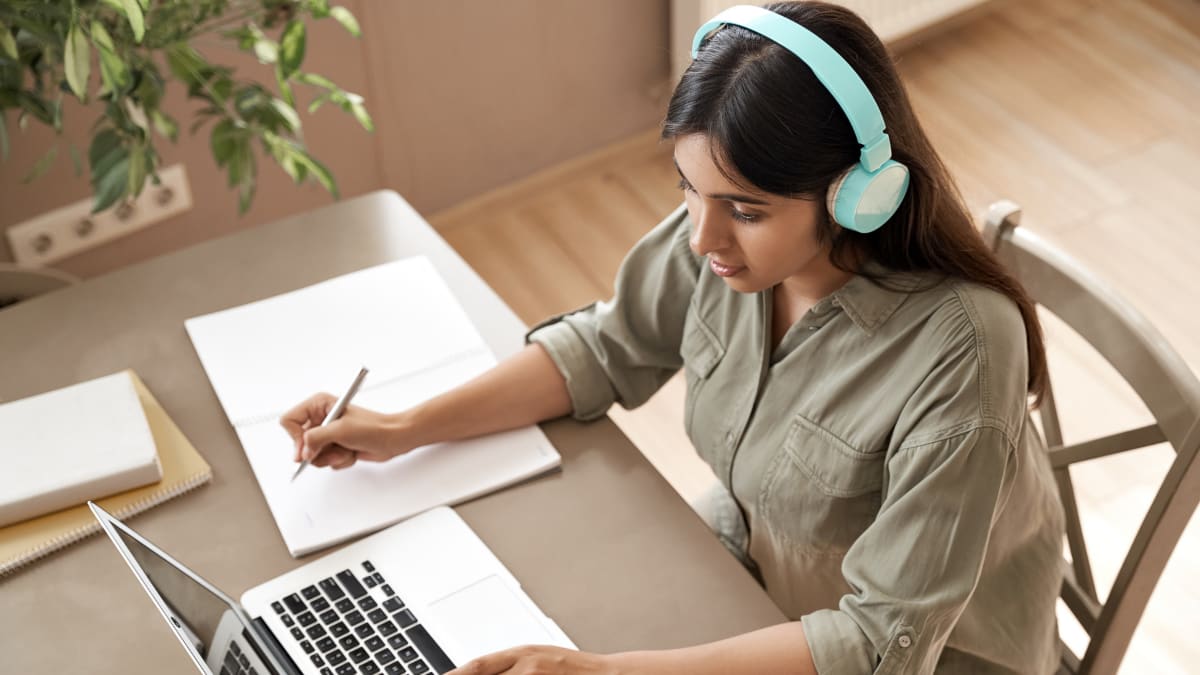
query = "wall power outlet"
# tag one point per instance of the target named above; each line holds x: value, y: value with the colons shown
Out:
x: 72, y: 229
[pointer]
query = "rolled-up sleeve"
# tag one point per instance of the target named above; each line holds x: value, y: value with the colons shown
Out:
x: 623, y: 350
x: 914, y: 569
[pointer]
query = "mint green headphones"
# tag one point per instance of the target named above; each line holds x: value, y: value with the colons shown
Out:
x: 869, y: 192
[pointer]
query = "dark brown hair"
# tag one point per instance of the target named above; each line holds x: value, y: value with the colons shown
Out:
x: 770, y: 120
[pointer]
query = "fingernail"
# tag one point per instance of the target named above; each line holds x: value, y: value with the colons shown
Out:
x: 306, y: 452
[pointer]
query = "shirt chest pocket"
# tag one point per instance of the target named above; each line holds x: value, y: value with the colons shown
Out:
x: 819, y: 493
x: 701, y: 352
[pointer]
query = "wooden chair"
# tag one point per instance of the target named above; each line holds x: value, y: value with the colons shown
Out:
x: 21, y: 283
x: 1169, y: 390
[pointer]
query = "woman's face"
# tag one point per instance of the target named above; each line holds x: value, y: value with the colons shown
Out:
x: 753, y: 240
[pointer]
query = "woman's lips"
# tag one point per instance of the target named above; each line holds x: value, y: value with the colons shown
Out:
x: 723, y: 270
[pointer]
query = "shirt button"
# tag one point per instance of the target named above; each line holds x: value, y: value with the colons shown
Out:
x: 905, y: 642
x: 813, y: 327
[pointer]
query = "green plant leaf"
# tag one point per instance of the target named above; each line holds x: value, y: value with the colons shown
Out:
x: 103, y: 143
x: 8, y: 46
x: 317, y: 81
x: 285, y: 88
x: 42, y: 165
x: 245, y: 196
x: 291, y: 48
x: 318, y: 8
x: 110, y: 186
x: 77, y: 61
x: 287, y: 113
x: 266, y: 50
x: 344, y: 17
x: 133, y: 12
x: 318, y: 102
x: 165, y: 125
x: 101, y: 38
x: 360, y: 113
x: 318, y: 170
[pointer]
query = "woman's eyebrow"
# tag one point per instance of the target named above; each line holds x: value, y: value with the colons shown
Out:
x: 729, y: 196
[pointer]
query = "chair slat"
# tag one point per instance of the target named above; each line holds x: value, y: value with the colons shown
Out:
x: 1106, y: 445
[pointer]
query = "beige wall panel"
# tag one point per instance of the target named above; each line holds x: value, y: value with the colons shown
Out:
x: 472, y: 95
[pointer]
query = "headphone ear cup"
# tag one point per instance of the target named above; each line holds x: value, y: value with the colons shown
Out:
x: 862, y: 200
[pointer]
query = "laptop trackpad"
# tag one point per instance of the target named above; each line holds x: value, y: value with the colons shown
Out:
x: 486, y: 617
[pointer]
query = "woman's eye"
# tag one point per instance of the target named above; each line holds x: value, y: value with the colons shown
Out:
x: 743, y: 217
x: 684, y: 185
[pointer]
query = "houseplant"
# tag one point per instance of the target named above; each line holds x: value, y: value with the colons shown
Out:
x: 119, y: 57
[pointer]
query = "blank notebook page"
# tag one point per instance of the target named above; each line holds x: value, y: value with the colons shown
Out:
x: 402, y: 322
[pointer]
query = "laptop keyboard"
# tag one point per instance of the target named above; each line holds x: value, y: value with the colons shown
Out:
x: 353, y: 623
x: 236, y: 662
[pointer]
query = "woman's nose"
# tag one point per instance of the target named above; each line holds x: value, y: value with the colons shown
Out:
x: 707, y: 235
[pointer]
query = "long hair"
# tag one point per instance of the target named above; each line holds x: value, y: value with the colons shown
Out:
x: 770, y: 121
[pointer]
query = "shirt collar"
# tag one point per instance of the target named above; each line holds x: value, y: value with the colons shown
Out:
x: 870, y: 303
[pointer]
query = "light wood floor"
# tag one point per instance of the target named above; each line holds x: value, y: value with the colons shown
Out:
x: 1084, y: 112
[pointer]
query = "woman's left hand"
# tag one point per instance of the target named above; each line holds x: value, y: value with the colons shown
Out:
x: 538, y: 660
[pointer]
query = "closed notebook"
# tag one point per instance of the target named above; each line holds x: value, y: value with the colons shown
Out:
x: 64, y: 447
x: 182, y: 469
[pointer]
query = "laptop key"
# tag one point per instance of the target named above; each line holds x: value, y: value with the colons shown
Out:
x: 245, y: 662
x: 354, y: 618
x: 296, y: 633
x: 339, y: 629
x: 387, y: 628
x: 377, y: 577
x: 317, y: 660
x: 287, y: 620
x: 329, y: 617
x: 408, y: 654
x: 310, y: 592
x: 316, y: 631
x: 344, y: 605
x: 396, y: 668
x: 392, y: 605
x: 398, y: 641
x: 231, y: 662
x: 387, y: 590
x: 306, y: 646
x: 370, y: 581
x: 345, y: 669
x: 294, y: 603
x: 374, y: 642
x: 364, y: 630
x: 237, y: 651
x: 405, y: 618
x: 349, y: 642
x: 277, y: 606
x: 424, y: 641
x: 418, y: 668
x: 320, y: 605
x: 335, y: 657
x: 385, y: 655
x: 367, y: 603
x: 368, y: 668
x: 325, y: 644
x: 326, y: 671
x: 376, y: 615
x: 352, y: 586
x: 225, y: 671
x: 358, y: 655
x: 368, y: 566
x: 332, y: 590
x: 306, y: 619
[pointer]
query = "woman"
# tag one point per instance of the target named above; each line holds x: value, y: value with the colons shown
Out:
x: 858, y: 373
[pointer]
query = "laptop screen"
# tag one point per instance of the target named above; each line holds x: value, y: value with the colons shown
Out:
x: 194, y: 604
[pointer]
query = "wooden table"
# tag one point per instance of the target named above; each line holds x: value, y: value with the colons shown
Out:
x: 605, y: 547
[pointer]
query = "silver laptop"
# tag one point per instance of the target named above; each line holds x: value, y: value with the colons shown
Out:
x: 418, y: 597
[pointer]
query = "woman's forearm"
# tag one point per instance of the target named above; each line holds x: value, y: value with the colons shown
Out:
x: 523, y: 389
x: 777, y: 650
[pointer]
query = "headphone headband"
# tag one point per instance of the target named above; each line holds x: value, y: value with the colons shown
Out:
x: 830, y: 68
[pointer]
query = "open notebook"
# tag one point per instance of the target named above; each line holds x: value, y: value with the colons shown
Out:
x: 402, y: 322
x: 182, y: 469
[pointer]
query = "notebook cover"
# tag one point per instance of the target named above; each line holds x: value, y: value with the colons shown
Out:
x: 86, y: 441
x: 182, y: 467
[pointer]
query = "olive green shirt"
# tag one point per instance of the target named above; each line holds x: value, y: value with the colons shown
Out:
x: 895, y: 496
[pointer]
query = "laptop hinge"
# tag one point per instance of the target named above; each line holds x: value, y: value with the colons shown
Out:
x: 277, y: 656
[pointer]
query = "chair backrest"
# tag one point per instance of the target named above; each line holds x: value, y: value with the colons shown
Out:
x: 21, y: 283
x: 1170, y: 391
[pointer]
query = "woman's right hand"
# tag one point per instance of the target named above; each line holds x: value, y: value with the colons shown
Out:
x: 359, y: 434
